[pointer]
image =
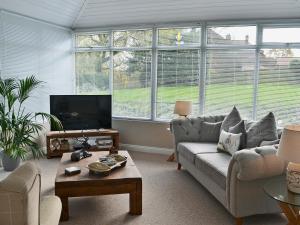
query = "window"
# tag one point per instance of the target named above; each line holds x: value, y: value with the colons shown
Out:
x: 258, y: 70
x: 178, y: 69
x: 279, y: 84
x: 177, y: 79
x: 132, y: 84
x: 230, y: 71
x: 229, y: 81
x: 133, y: 38
x: 132, y: 74
x: 92, y: 72
x: 92, y: 40
x: 281, y: 35
x: 179, y: 36
x: 232, y: 35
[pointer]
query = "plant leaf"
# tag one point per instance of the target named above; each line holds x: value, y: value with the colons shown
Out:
x: 26, y: 86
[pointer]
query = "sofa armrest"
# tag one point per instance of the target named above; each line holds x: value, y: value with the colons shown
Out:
x: 257, y: 163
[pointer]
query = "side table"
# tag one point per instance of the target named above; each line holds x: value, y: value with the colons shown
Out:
x: 288, y: 201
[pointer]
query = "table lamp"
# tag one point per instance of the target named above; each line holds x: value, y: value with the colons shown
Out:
x: 183, y: 108
x: 289, y: 150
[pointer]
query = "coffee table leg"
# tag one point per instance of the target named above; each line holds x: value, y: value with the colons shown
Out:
x: 65, y: 209
x: 289, y: 212
x: 135, y: 200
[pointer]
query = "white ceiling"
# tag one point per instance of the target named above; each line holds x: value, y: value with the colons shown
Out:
x: 102, y: 13
x: 60, y: 12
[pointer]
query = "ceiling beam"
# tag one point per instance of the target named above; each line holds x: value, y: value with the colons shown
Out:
x: 79, y: 13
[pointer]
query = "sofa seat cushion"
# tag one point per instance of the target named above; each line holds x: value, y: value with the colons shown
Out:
x: 215, y: 166
x: 189, y: 149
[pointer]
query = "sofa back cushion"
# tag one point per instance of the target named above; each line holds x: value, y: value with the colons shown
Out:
x: 210, y: 132
x: 231, y: 119
x: 190, y: 129
x: 262, y: 130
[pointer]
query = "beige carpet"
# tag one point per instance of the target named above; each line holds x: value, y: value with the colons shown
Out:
x: 170, y: 197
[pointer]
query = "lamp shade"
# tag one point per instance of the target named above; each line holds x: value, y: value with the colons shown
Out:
x: 183, y: 108
x: 289, y: 146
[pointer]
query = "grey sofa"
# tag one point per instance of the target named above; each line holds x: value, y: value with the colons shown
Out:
x: 236, y: 181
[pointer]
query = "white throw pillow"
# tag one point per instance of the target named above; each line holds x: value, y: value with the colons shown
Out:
x: 229, y: 142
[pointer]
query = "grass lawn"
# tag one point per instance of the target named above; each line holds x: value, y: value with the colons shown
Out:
x: 277, y: 98
x: 215, y: 94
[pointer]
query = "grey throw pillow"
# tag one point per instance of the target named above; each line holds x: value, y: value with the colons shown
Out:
x: 263, y: 130
x: 231, y: 119
x: 240, y: 129
x: 210, y: 132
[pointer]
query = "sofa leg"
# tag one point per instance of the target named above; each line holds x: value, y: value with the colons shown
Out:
x: 178, y: 166
x: 239, y: 221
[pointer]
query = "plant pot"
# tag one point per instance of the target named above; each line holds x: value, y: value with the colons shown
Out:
x: 8, y: 163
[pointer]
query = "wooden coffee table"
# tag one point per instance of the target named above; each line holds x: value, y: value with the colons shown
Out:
x: 120, y: 181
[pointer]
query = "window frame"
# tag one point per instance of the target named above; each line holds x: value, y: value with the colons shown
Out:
x: 203, y: 47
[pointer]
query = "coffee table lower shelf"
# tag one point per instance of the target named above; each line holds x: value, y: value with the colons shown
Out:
x: 122, y: 181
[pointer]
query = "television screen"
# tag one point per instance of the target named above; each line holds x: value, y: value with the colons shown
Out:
x: 80, y: 112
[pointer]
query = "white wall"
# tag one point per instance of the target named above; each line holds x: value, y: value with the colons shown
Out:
x: 30, y: 47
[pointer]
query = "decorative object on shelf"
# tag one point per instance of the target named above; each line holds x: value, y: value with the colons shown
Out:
x: 18, y: 125
x: 113, y: 150
x: 55, y: 144
x: 65, y: 145
x: 289, y: 150
x: 75, y: 139
x: 183, y: 108
x: 84, y: 140
x: 104, y: 141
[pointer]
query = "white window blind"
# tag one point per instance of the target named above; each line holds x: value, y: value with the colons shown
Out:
x: 217, y: 72
x: 279, y: 84
x: 177, y: 79
x: 30, y: 47
x: 132, y: 84
x: 92, y: 72
x: 229, y: 81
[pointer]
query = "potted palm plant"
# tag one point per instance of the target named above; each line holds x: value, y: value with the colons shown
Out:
x: 18, y: 127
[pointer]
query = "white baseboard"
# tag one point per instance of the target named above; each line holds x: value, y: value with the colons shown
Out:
x: 147, y: 149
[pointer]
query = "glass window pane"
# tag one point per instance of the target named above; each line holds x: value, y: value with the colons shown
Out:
x: 232, y: 35
x: 92, y: 40
x: 133, y: 38
x: 229, y: 81
x: 92, y: 72
x: 177, y: 79
x: 281, y: 35
x: 179, y: 36
x: 279, y: 84
x: 132, y: 84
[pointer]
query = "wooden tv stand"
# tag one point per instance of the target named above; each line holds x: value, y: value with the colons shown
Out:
x: 114, y: 134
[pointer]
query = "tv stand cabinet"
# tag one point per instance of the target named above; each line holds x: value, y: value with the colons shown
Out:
x: 114, y: 134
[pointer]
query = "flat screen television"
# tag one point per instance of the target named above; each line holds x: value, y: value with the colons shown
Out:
x: 80, y: 112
